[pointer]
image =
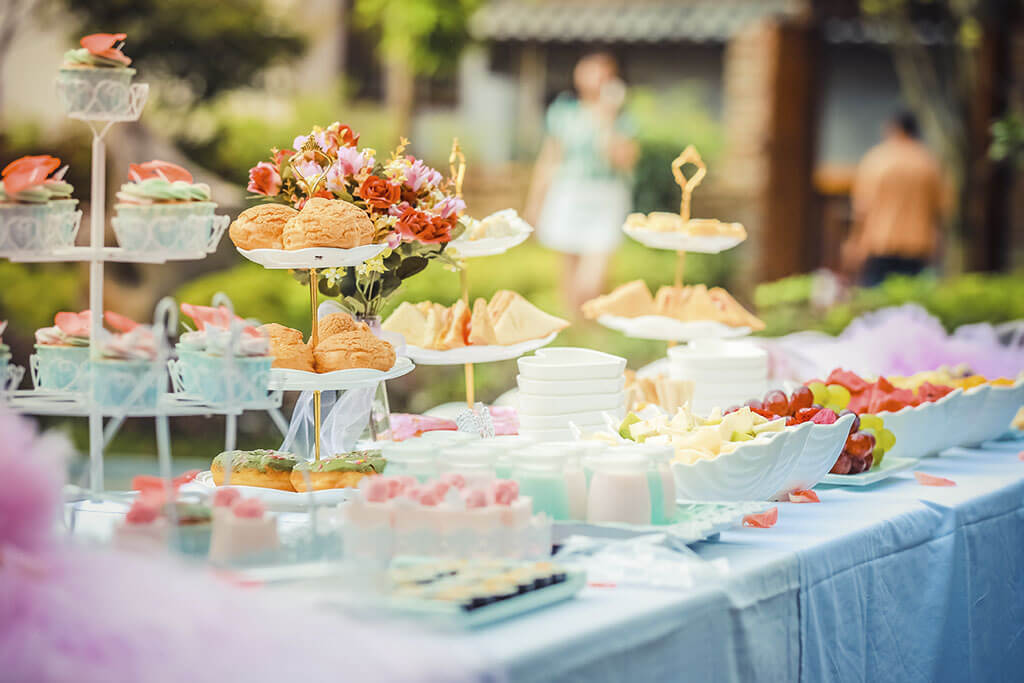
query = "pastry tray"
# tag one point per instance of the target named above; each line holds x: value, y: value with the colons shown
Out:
x: 663, y: 328
x: 279, y: 501
x: 476, y: 354
x: 314, y: 257
x: 287, y: 379
x: 679, y: 241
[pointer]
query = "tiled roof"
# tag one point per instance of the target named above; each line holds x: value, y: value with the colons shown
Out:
x: 622, y: 21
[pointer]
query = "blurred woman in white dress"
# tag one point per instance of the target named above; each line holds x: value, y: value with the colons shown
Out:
x: 581, y: 188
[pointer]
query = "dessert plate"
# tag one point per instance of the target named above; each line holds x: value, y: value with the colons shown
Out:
x: 314, y: 257
x: 487, y: 246
x: 275, y: 499
x: 287, y: 379
x: 694, y: 522
x: 678, y: 241
x: 890, y: 466
x: 663, y: 328
x: 476, y: 354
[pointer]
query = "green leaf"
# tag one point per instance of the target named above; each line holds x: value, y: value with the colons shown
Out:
x: 411, y: 266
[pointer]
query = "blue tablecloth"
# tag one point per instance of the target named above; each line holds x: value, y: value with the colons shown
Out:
x: 893, y: 582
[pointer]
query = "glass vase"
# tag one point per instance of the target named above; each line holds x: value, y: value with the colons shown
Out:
x: 378, y: 427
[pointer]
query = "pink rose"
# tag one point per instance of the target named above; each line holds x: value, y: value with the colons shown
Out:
x: 352, y: 160
x: 449, y: 206
x: 264, y: 179
x: 419, y: 174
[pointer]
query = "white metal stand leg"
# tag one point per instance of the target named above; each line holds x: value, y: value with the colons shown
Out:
x: 96, y: 241
x: 230, y: 432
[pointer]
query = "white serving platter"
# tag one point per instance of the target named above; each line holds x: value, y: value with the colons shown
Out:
x: 314, y: 257
x: 663, y: 328
x: 487, y: 246
x: 476, y: 354
x: 275, y: 499
x: 287, y: 379
x: 890, y: 466
x: 677, y: 241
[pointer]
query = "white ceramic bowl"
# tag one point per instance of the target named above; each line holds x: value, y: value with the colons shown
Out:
x: 1001, y: 405
x: 568, y: 363
x: 972, y: 428
x: 541, y: 387
x: 945, y: 422
x: 909, y: 425
x: 537, y: 405
x: 545, y: 435
x: 766, y: 468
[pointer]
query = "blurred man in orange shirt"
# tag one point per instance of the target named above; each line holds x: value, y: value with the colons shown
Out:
x: 899, y: 199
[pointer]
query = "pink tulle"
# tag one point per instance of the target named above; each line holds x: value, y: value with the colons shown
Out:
x: 895, y: 341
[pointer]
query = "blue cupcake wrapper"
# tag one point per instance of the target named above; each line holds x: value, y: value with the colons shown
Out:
x: 38, y: 227
x: 187, y: 226
x: 205, y: 375
x: 90, y: 91
x: 62, y: 368
x: 114, y: 382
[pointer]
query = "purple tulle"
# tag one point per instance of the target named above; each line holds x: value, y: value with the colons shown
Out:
x: 898, y: 341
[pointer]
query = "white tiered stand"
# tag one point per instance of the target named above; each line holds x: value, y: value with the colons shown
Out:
x: 79, y: 404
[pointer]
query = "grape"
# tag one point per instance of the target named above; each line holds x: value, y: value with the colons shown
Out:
x: 860, y: 444
x: 859, y: 465
x: 776, y: 403
x: 730, y: 409
x: 802, y: 398
x: 824, y: 417
x: 819, y: 391
x: 856, y: 420
x: 806, y: 414
x: 843, y: 464
x: 869, y: 421
x: 754, y: 403
x: 886, y: 439
x: 838, y: 396
x: 877, y: 455
x: 869, y: 459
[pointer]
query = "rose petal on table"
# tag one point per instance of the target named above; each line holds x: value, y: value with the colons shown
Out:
x: 806, y: 496
x: 762, y: 520
x: 1020, y: 456
x: 926, y: 479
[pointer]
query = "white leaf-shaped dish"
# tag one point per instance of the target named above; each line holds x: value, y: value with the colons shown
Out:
x: 314, y: 257
x: 287, y: 379
x: 476, y: 354
x: 663, y: 328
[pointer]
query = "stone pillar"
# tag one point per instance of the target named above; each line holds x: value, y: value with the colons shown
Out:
x: 530, y: 105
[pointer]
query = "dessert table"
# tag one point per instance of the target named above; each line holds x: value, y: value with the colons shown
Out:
x: 896, y: 581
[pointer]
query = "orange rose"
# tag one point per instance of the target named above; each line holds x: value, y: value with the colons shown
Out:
x: 378, y: 193
x: 264, y: 179
x: 422, y: 227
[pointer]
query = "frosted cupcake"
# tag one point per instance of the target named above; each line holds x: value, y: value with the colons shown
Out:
x: 203, y: 354
x: 95, y: 80
x: 37, y: 212
x: 61, y: 355
x: 163, y: 209
x: 127, y: 376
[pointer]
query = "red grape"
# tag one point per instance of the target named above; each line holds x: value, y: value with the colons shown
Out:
x: 855, y: 427
x: 802, y: 398
x: 825, y: 416
x: 776, y: 402
x: 860, y: 444
x: 730, y: 409
x: 754, y: 403
x: 843, y: 464
x: 870, y: 460
x: 806, y: 414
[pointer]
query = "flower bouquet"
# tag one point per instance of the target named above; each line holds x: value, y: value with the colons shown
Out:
x: 413, y: 209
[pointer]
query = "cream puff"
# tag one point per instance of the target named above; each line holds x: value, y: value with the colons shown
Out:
x: 356, y: 349
x: 328, y: 223
x: 260, y: 227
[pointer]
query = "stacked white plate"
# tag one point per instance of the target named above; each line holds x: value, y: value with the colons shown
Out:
x: 568, y: 385
x: 724, y: 373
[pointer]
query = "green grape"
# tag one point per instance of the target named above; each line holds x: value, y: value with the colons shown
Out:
x: 876, y: 456
x: 838, y: 397
x: 886, y: 439
x: 872, y: 422
x: 820, y: 392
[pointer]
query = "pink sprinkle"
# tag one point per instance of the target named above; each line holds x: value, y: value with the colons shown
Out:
x: 926, y: 479
x: 394, y: 486
x: 505, y: 491
x: 226, y: 497
x: 413, y: 492
x: 440, y: 488
x: 407, y: 482
x: 429, y: 498
x: 250, y: 508
x: 804, y: 497
x: 454, y: 479
x: 476, y: 499
x: 762, y: 520
x: 376, y: 490
x: 142, y: 512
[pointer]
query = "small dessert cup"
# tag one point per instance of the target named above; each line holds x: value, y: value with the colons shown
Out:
x: 170, y: 226
x: 125, y: 384
x: 60, y: 368
x: 208, y: 376
x: 90, y: 92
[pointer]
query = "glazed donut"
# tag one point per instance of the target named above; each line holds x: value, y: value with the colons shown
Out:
x: 337, y: 472
x: 264, y: 468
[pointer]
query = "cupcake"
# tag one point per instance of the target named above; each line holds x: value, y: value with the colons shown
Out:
x: 162, y: 209
x: 127, y: 376
x: 242, y: 531
x: 37, y: 212
x: 61, y: 359
x: 147, y: 527
x: 203, y: 352
x: 95, y: 80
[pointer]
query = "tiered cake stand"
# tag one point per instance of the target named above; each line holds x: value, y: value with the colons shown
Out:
x: 140, y: 395
x: 468, y: 356
x: 664, y: 328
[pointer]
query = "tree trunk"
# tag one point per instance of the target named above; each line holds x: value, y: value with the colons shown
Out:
x: 401, y: 89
